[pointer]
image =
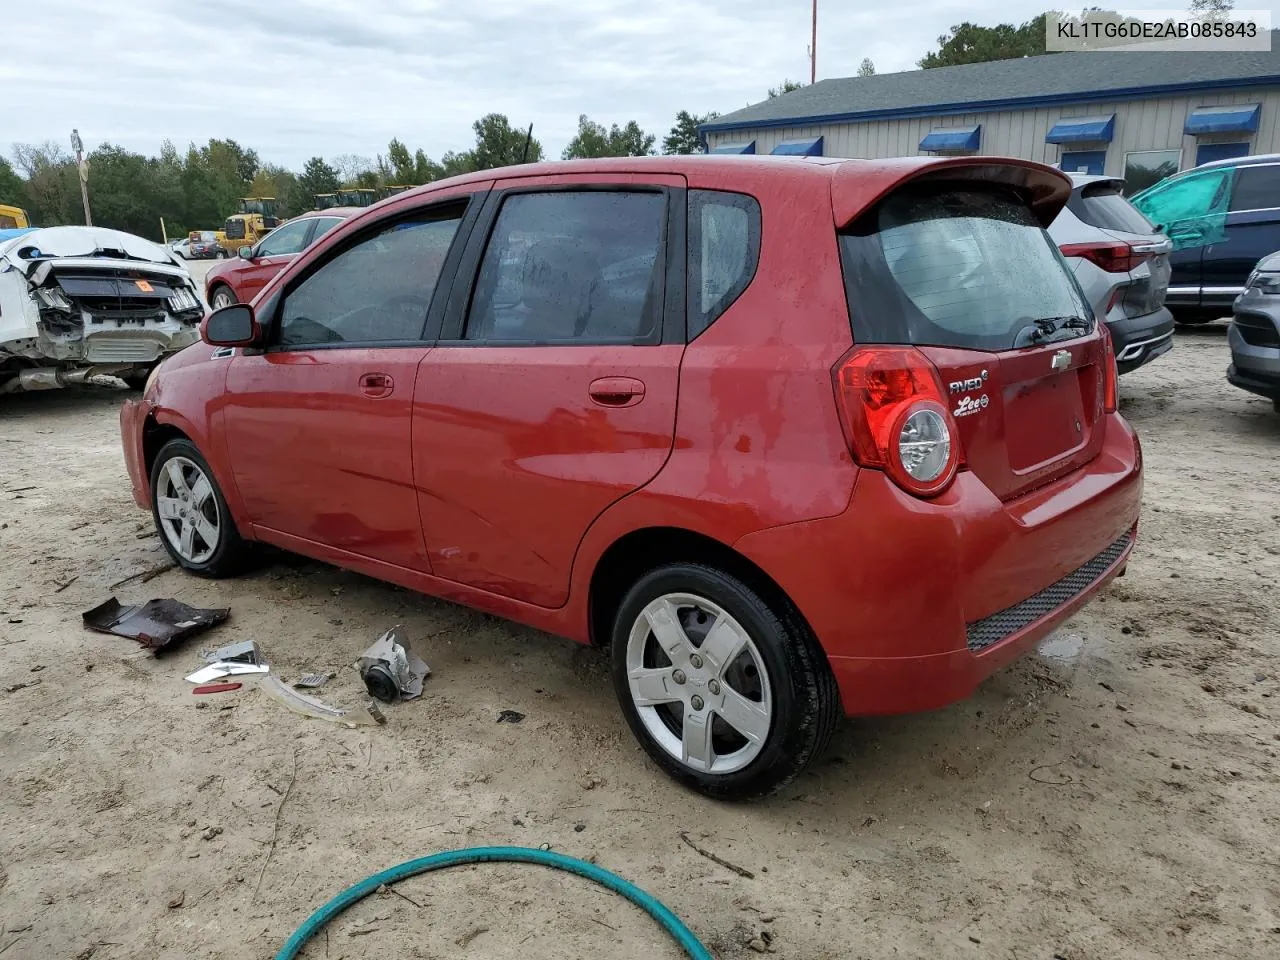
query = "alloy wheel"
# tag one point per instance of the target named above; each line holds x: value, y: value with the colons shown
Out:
x: 188, y: 510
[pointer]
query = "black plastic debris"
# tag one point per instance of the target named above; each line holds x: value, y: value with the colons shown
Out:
x: 510, y: 716
x: 158, y: 625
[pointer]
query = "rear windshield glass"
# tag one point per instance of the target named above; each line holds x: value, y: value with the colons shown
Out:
x: 1101, y: 205
x: 954, y: 266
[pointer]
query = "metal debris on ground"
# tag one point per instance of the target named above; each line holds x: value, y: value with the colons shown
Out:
x: 510, y: 716
x: 391, y: 670
x: 158, y: 625
x: 273, y: 687
x: 309, y: 681
x: 246, y: 651
x: 217, y: 687
x: 228, y: 669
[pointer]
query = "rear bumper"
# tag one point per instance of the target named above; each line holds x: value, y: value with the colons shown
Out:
x: 916, y: 602
x: 133, y: 418
x: 1139, y: 340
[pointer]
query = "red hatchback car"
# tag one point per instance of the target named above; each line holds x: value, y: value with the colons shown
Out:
x: 240, y: 279
x: 794, y: 437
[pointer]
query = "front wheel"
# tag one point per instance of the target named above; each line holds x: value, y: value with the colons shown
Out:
x: 729, y: 694
x: 220, y: 254
x: 222, y: 297
x: 191, y: 514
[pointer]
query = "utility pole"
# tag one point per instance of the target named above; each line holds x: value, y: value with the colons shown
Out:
x: 813, y: 48
x: 524, y: 157
x: 83, y: 165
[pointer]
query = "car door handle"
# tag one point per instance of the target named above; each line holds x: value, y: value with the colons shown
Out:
x: 616, y: 391
x: 376, y: 385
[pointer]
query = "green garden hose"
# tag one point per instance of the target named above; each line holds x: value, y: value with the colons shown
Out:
x: 456, y: 858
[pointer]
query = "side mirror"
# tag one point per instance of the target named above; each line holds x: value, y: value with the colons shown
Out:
x: 246, y: 253
x: 232, y: 326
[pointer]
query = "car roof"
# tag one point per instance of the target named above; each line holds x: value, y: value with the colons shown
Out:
x: 1239, y: 161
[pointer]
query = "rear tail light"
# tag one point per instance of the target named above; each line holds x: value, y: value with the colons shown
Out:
x: 1114, y: 299
x: 1113, y: 257
x: 896, y: 417
x: 1110, y: 373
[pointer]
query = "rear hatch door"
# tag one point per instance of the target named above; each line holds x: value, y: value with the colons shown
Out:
x: 1102, y: 204
x: 965, y: 272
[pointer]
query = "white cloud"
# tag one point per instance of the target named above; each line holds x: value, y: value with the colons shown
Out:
x: 296, y: 78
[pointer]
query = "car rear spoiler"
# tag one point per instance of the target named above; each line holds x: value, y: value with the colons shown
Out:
x: 859, y: 184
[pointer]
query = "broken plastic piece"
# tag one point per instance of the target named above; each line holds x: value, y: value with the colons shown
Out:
x: 157, y: 624
x: 390, y: 669
x: 217, y: 687
x: 311, y: 707
x: 246, y: 651
x: 215, y: 670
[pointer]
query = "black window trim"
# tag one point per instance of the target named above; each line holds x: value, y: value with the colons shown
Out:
x: 671, y: 325
x: 269, y: 312
x: 755, y: 228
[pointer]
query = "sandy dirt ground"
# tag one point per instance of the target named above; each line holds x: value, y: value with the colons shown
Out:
x: 1113, y: 797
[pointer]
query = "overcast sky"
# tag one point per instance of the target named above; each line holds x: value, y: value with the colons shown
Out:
x: 297, y: 78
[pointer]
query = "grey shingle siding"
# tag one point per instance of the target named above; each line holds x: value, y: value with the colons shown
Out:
x: 1059, y: 76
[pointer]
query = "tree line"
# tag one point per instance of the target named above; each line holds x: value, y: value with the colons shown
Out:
x: 197, y: 189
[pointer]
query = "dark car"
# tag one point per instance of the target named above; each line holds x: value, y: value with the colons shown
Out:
x: 1223, y: 217
x: 200, y: 245
x: 239, y: 280
x: 1254, y: 336
x: 739, y: 419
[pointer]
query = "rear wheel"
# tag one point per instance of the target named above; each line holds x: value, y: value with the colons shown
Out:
x: 727, y: 693
x: 220, y: 254
x: 223, y: 296
x: 191, y: 514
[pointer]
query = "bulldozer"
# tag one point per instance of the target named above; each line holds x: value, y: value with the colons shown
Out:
x: 255, y: 219
x: 325, y: 201
x: 357, y: 197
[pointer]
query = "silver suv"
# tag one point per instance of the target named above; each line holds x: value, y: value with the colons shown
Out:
x: 1254, y: 335
x: 1122, y: 262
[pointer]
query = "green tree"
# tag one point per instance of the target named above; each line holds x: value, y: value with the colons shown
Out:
x: 403, y: 169
x: 126, y: 193
x: 867, y: 68
x: 785, y: 87
x: 317, y: 177
x: 593, y: 140
x: 276, y: 181
x: 13, y: 188
x: 53, y: 188
x: 683, y: 137
x: 1212, y: 9
x: 425, y: 169
x: 498, y: 144
x: 970, y: 43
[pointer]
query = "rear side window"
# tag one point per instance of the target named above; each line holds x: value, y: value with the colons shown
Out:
x: 572, y: 266
x: 1103, y: 205
x: 1257, y: 188
x: 954, y: 267
x: 724, y: 249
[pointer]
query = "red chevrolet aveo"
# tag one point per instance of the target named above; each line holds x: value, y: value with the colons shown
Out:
x: 794, y: 437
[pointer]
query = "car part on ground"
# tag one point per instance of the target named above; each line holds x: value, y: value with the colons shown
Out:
x: 787, y: 471
x: 159, y: 625
x: 82, y: 303
x: 669, y: 922
x: 1122, y: 263
x: 390, y: 669
x: 1254, y: 334
x: 308, y: 706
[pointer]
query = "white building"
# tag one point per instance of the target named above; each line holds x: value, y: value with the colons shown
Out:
x: 1142, y: 116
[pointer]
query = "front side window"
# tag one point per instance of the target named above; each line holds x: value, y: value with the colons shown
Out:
x: 377, y: 290
x: 954, y: 267
x: 724, y: 248
x: 572, y: 265
x: 284, y: 240
x: 1192, y: 210
x: 323, y: 226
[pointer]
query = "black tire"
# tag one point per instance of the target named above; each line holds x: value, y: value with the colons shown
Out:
x: 220, y: 254
x: 219, y: 288
x: 230, y: 553
x: 806, y: 701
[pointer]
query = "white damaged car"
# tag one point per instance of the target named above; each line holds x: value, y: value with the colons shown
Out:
x: 89, y: 304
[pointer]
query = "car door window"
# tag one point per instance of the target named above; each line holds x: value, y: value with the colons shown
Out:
x: 1257, y: 188
x: 287, y: 239
x: 1192, y: 211
x: 724, y: 248
x: 377, y: 290
x: 575, y: 266
x: 323, y: 226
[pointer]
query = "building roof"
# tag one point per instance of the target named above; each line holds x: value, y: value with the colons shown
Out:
x: 1010, y: 84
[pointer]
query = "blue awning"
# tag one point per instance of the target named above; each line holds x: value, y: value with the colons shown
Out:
x: 799, y: 148
x: 748, y: 147
x: 1237, y: 118
x: 1083, y: 130
x: 956, y: 140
